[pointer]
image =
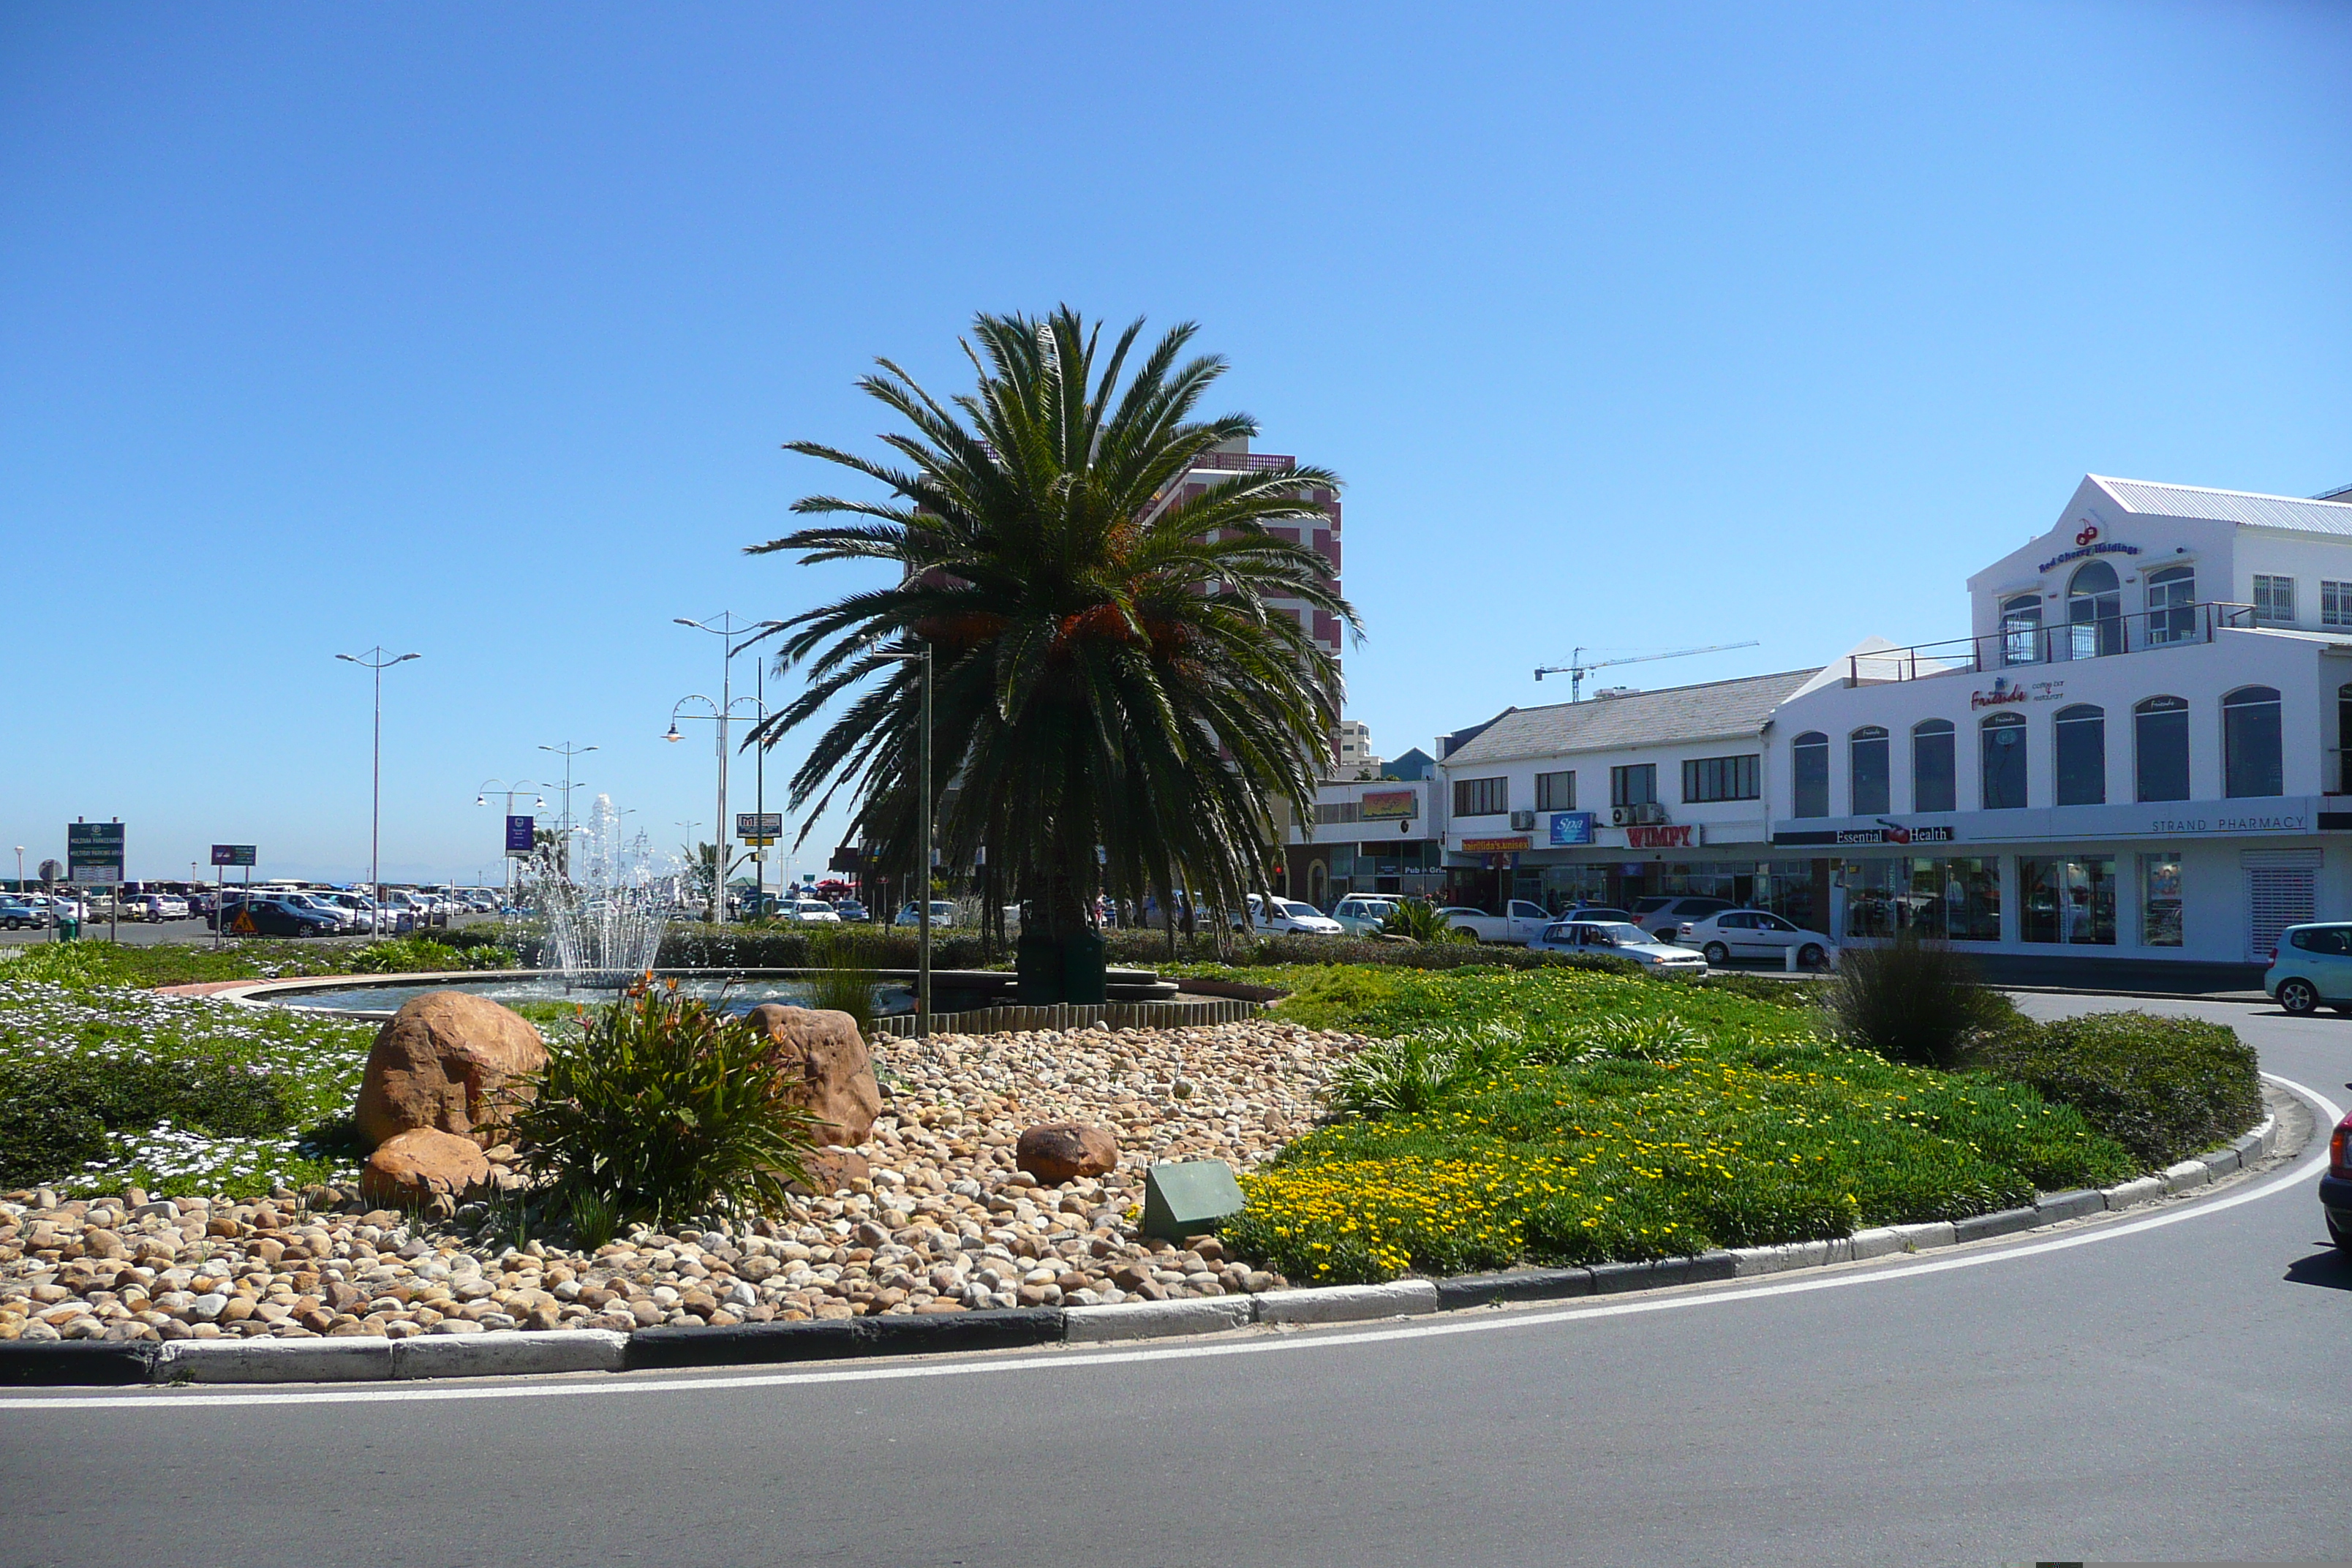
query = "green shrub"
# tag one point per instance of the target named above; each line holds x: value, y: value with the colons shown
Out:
x: 56, y: 1111
x: 422, y: 954
x: 845, y: 977
x: 1912, y: 1001
x: 658, y: 1108
x: 1417, y: 922
x: 1421, y: 1072
x: 2165, y: 1088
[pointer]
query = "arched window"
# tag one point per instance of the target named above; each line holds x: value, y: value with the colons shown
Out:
x: 1809, y: 773
x: 1934, y: 786
x: 2079, y: 736
x: 2161, y: 749
x: 1866, y: 773
x: 2095, y: 612
x: 2250, y: 760
x: 2002, y: 755
x: 2171, y: 605
x: 2020, y: 630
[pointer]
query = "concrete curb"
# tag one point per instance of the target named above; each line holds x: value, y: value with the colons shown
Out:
x: 356, y: 1358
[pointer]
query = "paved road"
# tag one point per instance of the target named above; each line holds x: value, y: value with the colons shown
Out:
x: 2175, y: 1389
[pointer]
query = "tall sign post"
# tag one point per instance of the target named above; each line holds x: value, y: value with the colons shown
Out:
x: 522, y: 837
x: 94, y: 858
x: 224, y: 856
x: 760, y: 829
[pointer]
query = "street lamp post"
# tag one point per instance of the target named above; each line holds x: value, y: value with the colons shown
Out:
x: 20, y: 867
x: 726, y: 626
x: 567, y: 751
x: 489, y: 788
x: 722, y: 712
x: 376, y: 659
x: 923, y: 866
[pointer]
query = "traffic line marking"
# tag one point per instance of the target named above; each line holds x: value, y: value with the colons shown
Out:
x: 605, y: 1385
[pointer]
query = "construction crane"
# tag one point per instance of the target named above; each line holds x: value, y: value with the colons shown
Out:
x: 1578, y: 669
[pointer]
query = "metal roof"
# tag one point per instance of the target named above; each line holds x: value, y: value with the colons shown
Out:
x: 1720, y: 708
x: 2245, y: 507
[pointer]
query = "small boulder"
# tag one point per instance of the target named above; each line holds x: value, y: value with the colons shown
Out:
x: 445, y: 1062
x: 834, y: 1171
x: 832, y: 1070
x: 416, y: 1167
x: 1066, y: 1150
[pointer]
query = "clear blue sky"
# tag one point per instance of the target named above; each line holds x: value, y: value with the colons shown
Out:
x: 475, y: 330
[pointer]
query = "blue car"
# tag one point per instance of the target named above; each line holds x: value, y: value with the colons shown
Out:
x: 15, y: 914
x: 2311, y: 965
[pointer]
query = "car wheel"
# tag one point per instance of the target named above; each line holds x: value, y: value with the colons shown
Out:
x: 1718, y: 955
x: 1810, y: 956
x: 2300, y: 997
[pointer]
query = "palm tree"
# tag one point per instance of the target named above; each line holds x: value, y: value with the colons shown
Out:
x: 1118, y: 703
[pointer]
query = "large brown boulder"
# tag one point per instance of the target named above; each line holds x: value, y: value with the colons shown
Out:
x: 1066, y: 1150
x: 828, y: 1064
x: 445, y: 1062
x: 412, y: 1168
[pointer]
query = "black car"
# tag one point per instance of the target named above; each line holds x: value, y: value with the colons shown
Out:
x: 278, y: 917
x: 2335, y: 1186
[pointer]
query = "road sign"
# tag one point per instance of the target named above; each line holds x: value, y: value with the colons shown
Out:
x: 519, y: 835
x: 52, y: 872
x: 762, y: 828
x: 94, y: 852
x: 234, y: 855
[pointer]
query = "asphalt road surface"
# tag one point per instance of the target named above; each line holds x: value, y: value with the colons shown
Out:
x: 2166, y: 1385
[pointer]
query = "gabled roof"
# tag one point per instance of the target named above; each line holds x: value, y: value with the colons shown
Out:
x: 2248, y: 508
x: 1718, y: 710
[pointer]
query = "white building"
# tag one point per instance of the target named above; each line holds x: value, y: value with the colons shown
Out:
x: 1352, y: 756
x: 1619, y: 797
x: 1369, y: 836
x: 2138, y: 753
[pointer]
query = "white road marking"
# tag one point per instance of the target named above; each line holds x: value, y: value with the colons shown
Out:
x: 605, y: 1385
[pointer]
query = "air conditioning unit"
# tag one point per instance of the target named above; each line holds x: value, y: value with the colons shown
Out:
x: 1622, y: 815
x: 1653, y: 812
x: 1523, y: 822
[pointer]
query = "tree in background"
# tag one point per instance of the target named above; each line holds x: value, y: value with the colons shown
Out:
x: 1118, y: 701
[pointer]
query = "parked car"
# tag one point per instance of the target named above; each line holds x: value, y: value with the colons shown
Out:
x: 1598, y: 912
x: 1755, y: 933
x: 1288, y: 915
x: 808, y: 912
x: 2335, y: 1186
x: 17, y: 914
x: 1618, y: 939
x: 2312, y: 964
x: 1363, y: 914
x: 1521, y: 923
x: 942, y: 914
x: 1664, y: 915
x: 851, y: 912
x: 157, y: 906
x: 278, y: 915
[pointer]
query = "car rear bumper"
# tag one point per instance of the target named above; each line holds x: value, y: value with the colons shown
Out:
x: 2336, y: 1198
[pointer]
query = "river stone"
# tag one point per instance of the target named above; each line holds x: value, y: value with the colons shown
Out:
x: 828, y: 1063
x: 1067, y: 1150
x: 445, y: 1062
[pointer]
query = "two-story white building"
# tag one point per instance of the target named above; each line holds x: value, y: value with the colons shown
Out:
x: 2137, y: 752
x: 1620, y: 796
x: 1369, y: 837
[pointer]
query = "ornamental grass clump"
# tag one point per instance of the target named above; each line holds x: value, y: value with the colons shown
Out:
x: 657, y: 1108
x: 846, y: 977
x: 1417, y: 922
x: 1913, y: 1001
x: 1421, y: 1072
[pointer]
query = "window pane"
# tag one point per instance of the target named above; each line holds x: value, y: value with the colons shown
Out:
x: 1810, y: 768
x: 2069, y: 901
x: 1635, y: 785
x: 2273, y: 598
x: 1556, y: 792
x: 2159, y: 899
x: 2336, y: 603
x: 1933, y: 787
x: 2020, y: 630
x: 1869, y: 781
x: 2250, y: 760
x: 2082, y: 743
x: 2161, y: 750
x: 1481, y: 798
x: 2004, y: 747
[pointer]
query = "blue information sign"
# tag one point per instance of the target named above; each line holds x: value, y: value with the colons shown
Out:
x: 1571, y: 827
x: 519, y: 835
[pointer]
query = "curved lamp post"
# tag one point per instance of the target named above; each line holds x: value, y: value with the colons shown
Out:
x: 722, y: 712
x: 376, y: 659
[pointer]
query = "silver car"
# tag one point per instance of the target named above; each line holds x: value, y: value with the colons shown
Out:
x: 1618, y: 939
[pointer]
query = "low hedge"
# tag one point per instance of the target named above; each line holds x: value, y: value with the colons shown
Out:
x: 2165, y: 1088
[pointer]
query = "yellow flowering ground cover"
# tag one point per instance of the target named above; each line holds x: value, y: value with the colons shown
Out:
x: 1567, y: 1117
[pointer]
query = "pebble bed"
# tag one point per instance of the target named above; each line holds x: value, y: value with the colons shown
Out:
x: 945, y: 1224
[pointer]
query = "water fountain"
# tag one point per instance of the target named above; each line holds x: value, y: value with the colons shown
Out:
x: 605, y: 908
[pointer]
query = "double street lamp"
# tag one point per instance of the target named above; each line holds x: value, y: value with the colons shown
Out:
x: 378, y: 660
x: 923, y: 865
x: 726, y: 626
x: 489, y: 787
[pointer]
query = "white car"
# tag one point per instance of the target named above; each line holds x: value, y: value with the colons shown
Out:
x: 1757, y: 933
x: 1291, y: 916
x: 810, y: 912
x: 1520, y: 923
x: 1618, y: 939
x: 942, y: 914
x: 1363, y: 914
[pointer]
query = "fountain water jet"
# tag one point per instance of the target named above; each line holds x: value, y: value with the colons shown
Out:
x: 605, y: 908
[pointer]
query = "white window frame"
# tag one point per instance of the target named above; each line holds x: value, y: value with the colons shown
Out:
x: 2335, y: 603
x: 2273, y: 598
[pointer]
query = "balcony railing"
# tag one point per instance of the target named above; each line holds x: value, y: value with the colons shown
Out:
x: 1244, y: 462
x: 2025, y: 646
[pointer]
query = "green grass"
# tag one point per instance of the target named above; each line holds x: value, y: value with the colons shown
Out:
x: 1616, y: 1118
